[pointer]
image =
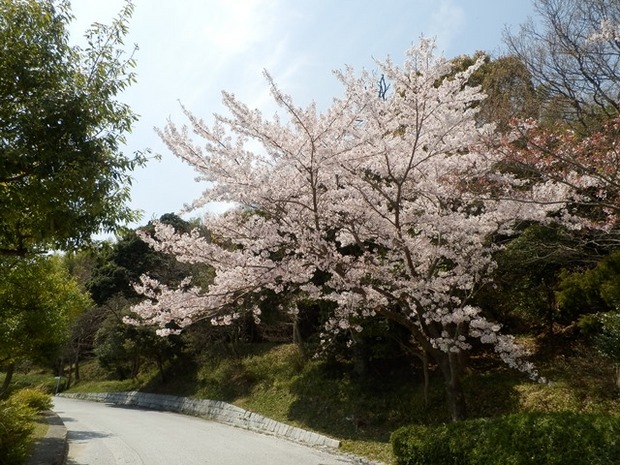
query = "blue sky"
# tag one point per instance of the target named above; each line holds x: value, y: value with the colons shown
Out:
x: 191, y: 50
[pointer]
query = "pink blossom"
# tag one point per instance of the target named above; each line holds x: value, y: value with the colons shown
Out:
x: 391, y: 179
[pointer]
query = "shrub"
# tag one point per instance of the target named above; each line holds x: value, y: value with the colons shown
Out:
x: 521, y: 439
x: 33, y: 398
x: 16, y: 426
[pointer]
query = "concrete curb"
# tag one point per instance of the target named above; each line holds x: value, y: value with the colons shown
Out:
x: 53, y: 448
x: 211, y: 409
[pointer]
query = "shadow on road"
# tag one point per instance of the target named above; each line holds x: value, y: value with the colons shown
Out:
x: 73, y: 462
x: 84, y: 436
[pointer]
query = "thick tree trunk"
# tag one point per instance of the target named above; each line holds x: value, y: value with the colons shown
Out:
x: 297, y: 338
x: 451, y: 369
x: 135, y: 366
x: 451, y: 364
x: 8, y: 377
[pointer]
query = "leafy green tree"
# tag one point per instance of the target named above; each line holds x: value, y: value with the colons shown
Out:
x: 38, y: 301
x: 604, y: 331
x: 508, y: 85
x: 523, y: 295
x: 63, y: 174
x: 80, y: 266
x: 130, y: 257
x: 592, y: 290
x: 121, y: 348
x: 81, y: 342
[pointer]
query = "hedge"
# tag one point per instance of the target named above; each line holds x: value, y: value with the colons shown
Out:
x: 16, y: 426
x: 33, y: 398
x: 564, y: 438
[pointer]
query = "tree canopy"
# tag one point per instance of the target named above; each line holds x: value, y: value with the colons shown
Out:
x: 382, y: 205
x: 63, y: 173
x: 572, y: 50
x: 38, y: 301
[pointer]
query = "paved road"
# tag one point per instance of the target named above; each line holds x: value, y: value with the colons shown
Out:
x: 103, y: 434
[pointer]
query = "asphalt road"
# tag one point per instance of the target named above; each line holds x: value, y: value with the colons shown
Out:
x: 104, y: 434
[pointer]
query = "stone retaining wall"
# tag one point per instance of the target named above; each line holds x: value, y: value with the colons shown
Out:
x: 212, y: 410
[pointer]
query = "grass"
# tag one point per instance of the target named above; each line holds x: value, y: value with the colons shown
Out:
x: 40, y: 429
x: 41, y: 379
x: 278, y: 382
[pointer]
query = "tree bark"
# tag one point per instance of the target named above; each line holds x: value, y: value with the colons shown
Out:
x: 426, y: 378
x: 160, y: 368
x: 135, y: 366
x: 8, y: 377
x: 76, y: 361
x: 69, y: 376
x: 451, y: 368
x: 451, y: 364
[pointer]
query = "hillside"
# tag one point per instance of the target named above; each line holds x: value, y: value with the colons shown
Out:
x: 362, y: 411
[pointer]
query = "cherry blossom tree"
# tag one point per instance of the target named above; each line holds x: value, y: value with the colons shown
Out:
x: 380, y: 203
x: 589, y: 167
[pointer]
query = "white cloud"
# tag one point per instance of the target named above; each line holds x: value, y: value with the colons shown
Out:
x: 238, y: 25
x: 446, y: 23
x: 192, y: 49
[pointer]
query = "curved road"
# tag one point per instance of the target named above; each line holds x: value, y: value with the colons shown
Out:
x: 104, y: 434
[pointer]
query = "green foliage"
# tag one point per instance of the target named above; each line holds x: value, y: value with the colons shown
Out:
x: 581, y: 381
x: 277, y: 381
x: 603, y: 329
x: 16, y: 427
x: 508, y: 85
x: 38, y: 301
x: 36, y: 399
x: 63, y: 175
x: 130, y: 257
x: 529, y: 269
x: 123, y: 349
x: 593, y: 290
x: 520, y: 439
x: 42, y: 380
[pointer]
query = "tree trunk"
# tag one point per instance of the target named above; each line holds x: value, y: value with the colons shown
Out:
x: 551, y: 308
x: 160, y: 368
x: 7, y: 378
x: 135, y: 366
x: 296, y: 332
x: 426, y: 378
x: 69, y: 376
x: 450, y: 365
x: 76, y: 362
x: 297, y: 338
x: 360, y: 360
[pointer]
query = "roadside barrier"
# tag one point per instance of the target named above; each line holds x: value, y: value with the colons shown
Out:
x: 215, y: 410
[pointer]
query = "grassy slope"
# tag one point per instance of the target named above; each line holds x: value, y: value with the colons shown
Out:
x: 278, y: 382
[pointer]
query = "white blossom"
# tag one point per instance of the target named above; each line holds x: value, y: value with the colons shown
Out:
x: 385, y: 177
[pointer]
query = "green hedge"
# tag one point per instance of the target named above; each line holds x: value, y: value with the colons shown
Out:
x: 33, y: 398
x: 16, y: 426
x: 522, y: 439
